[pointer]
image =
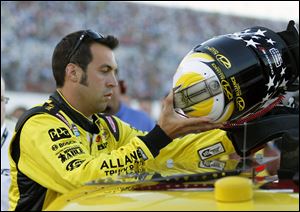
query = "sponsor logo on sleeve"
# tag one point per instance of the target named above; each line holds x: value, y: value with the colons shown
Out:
x: 74, y: 164
x: 70, y: 153
x: 211, y: 151
x: 212, y: 164
x: 57, y: 146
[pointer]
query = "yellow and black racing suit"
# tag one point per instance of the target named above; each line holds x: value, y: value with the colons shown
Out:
x: 55, y: 149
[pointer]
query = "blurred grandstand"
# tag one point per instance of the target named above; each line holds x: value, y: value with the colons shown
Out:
x: 153, y: 40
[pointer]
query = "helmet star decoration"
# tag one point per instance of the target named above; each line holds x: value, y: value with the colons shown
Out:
x: 282, y: 71
x: 271, y: 41
x: 261, y: 33
x: 267, y: 97
x: 270, y: 83
x: 283, y: 83
x: 251, y: 43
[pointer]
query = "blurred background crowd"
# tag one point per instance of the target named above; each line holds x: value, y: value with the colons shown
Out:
x: 153, y: 40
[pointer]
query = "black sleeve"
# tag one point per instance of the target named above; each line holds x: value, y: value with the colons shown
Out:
x: 155, y: 140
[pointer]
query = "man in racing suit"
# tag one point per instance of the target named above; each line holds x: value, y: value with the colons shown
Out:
x: 66, y: 142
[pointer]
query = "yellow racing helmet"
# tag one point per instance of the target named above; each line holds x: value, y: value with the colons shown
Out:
x: 230, y: 76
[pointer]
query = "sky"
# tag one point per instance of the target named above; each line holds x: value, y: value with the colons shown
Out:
x: 273, y: 10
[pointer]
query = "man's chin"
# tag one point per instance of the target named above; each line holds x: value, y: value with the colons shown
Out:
x: 107, y: 110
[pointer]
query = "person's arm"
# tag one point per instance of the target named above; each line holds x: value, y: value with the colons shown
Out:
x: 191, y: 152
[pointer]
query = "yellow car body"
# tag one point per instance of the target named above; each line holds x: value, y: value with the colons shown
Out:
x: 94, y: 198
x: 182, y: 192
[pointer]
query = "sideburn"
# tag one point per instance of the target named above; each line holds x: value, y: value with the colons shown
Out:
x: 83, y: 80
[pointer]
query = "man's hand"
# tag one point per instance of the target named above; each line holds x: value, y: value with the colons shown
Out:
x: 175, y: 125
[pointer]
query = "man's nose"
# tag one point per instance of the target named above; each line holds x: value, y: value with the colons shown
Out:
x: 112, y: 81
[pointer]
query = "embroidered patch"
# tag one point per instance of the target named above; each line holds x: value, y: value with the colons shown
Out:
x: 58, y: 133
x: 211, y: 151
x: 212, y: 164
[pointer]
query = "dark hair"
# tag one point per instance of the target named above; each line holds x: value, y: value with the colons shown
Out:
x: 82, y: 57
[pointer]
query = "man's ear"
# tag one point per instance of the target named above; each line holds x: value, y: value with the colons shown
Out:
x: 71, y: 72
